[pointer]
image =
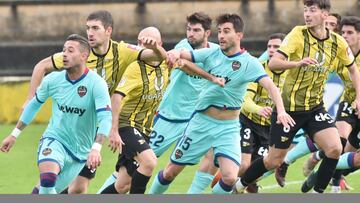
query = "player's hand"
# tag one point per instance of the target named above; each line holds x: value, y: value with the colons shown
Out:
x: 172, y: 58
x: 285, y: 119
x: 265, y: 111
x: 94, y: 159
x: 7, y: 143
x: 115, y: 142
x: 149, y: 43
x: 306, y: 61
x: 219, y: 81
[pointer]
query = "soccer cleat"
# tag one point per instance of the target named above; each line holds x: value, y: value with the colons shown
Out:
x: 309, y: 165
x: 252, y: 188
x: 309, y: 182
x: 280, y: 174
x: 238, y: 188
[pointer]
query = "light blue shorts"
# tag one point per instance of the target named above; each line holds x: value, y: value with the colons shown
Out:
x: 164, y: 134
x: 52, y: 150
x: 204, y: 133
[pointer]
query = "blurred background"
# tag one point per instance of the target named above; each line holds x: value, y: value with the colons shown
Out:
x: 34, y: 29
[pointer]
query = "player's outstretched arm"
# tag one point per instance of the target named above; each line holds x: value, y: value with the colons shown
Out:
x: 94, y: 159
x: 40, y: 69
x: 355, y: 78
x: 153, y: 52
x: 9, y: 141
x: 280, y: 62
x: 250, y: 106
x: 274, y: 93
x: 192, y: 68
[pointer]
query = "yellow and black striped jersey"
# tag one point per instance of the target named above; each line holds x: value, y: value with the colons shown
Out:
x: 109, y: 66
x: 260, y: 95
x: 143, y: 87
x: 349, y: 93
x: 304, y: 87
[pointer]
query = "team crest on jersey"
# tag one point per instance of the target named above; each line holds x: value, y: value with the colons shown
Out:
x: 82, y: 91
x: 178, y: 154
x: 159, y: 83
x: 46, y: 151
x: 236, y: 65
x: 320, y: 57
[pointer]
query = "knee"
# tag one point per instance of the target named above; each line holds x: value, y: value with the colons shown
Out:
x: 229, y: 178
x: 244, y: 165
x: 333, y: 152
x: 149, y: 164
x: 357, y: 160
x: 273, y: 163
x: 122, y: 188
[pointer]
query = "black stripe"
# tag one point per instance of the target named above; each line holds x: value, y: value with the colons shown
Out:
x: 121, y: 93
x: 334, y: 47
x: 145, y: 83
x: 115, y: 68
x: 282, y: 53
x: 53, y: 62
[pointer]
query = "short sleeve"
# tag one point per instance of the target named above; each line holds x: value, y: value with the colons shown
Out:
x: 255, y: 71
x: 42, y: 92
x: 128, y: 53
x: 57, y: 60
x: 345, y: 55
x: 101, y: 96
x: 290, y: 43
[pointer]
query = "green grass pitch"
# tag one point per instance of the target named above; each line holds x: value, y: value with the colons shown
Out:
x: 18, y: 171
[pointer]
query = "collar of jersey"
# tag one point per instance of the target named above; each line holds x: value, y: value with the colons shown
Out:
x: 103, y: 55
x: 80, y: 78
x: 242, y: 50
x: 327, y: 35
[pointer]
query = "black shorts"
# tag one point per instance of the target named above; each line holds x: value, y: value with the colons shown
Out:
x: 135, y: 143
x: 346, y: 113
x: 254, y: 137
x: 354, y: 137
x: 311, y: 121
x: 87, y: 173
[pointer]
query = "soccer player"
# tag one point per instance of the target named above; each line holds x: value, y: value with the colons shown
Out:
x: 347, y: 121
x: 109, y: 59
x: 311, y: 50
x: 216, y: 121
x: 80, y: 99
x: 178, y: 103
x: 332, y: 22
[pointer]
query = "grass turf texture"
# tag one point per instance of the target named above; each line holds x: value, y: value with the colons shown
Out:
x: 18, y: 171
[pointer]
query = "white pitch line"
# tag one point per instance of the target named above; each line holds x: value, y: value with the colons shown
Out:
x: 268, y: 187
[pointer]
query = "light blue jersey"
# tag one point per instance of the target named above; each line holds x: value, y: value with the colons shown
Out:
x: 238, y: 70
x: 78, y: 107
x: 179, y: 100
x: 264, y: 56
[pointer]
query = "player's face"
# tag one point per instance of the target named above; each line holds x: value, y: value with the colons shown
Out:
x: 314, y: 16
x: 228, y: 37
x: 272, y: 46
x: 72, y: 57
x: 351, y: 36
x: 96, y: 33
x: 195, y: 34
x: 331, y: 23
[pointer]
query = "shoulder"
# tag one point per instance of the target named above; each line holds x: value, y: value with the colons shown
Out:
x: 126, y: 46
x: 213, y: 45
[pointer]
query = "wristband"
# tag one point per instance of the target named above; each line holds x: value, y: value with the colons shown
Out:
x: 16, y: 132
x: 96, y: 146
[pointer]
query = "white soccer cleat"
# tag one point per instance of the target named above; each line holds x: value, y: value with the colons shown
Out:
x: 238, y: 188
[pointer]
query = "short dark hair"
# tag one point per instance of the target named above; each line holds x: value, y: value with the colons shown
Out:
x: 235, y: 19
x: 200, y: 17
x: 103, y: 16
x: 322, y: 4
x: 279, y: 35
x: 351, y: 21
x: 84, y: 44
